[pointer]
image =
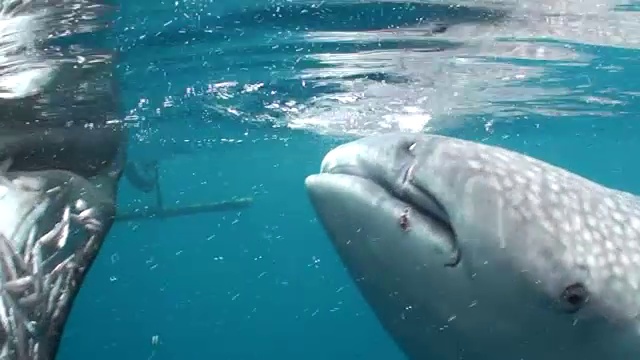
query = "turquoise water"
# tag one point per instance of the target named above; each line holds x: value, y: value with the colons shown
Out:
x: 242, y: 100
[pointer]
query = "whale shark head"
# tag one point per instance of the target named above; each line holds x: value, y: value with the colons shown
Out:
x: 470, y: 251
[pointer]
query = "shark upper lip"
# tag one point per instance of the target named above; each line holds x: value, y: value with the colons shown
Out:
x: 405, y: 189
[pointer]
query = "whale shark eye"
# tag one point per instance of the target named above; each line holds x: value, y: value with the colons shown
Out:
x: 411, y: 147
x: 574, y: 297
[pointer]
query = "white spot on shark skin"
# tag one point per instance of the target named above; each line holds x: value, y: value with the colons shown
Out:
x: 617, y: 216
x: 475, y: 165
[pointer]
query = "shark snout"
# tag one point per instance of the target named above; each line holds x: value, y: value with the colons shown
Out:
x: 343, y: 159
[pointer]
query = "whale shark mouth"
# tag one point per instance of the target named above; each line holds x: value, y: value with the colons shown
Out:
x: 416, y: 198
x: 427, y: 203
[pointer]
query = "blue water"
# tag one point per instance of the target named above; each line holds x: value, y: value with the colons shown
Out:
x: 242, y: 99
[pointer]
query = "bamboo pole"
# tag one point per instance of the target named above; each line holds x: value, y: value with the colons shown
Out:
x: 150, y: 213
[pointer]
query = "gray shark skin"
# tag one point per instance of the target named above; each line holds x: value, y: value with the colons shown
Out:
x: 474, y: 252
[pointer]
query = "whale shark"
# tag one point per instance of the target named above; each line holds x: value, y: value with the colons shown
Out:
x: 471, y: 251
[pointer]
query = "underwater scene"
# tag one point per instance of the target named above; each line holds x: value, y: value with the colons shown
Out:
x: 223, y: 248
